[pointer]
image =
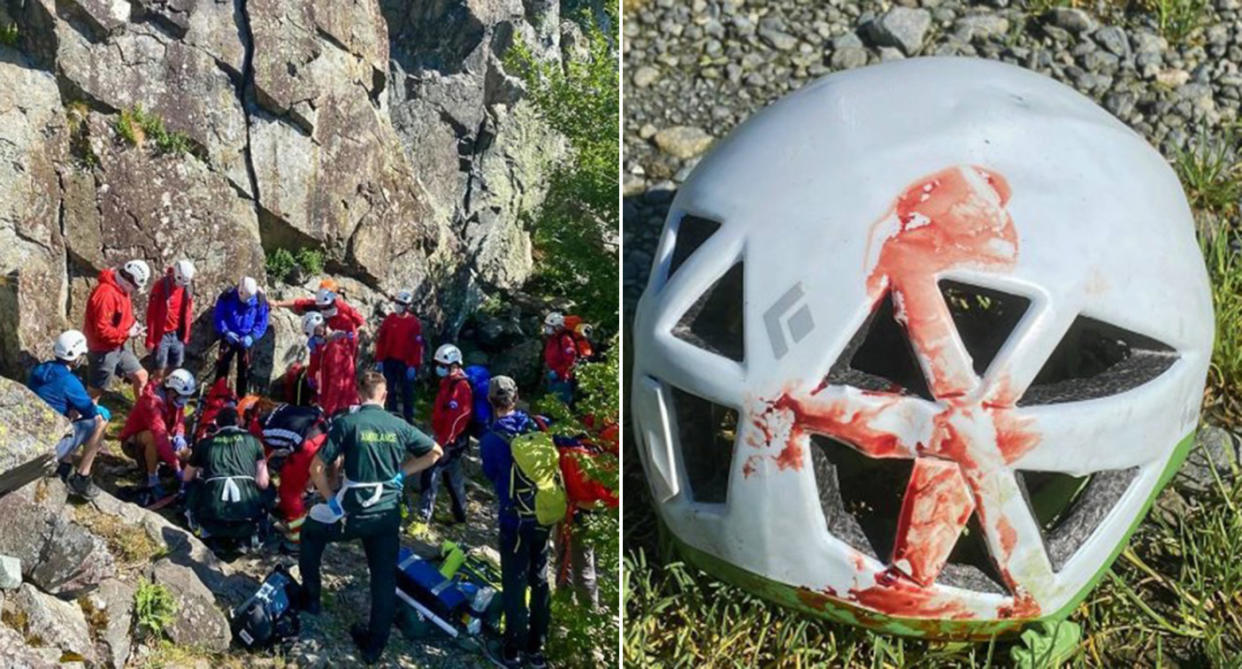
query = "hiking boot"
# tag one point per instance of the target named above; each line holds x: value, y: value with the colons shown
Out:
x: 500, y: 655
x: 82, y: 486
x: 362, y: 639
x: 536, y: 661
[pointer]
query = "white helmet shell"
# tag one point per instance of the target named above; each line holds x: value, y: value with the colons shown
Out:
x: 247, y: 288
x: 846, y: 287
x: 405, y: 297
x: 448, y: 354
x: 325, y: 297
x: 181, y: 382
x: 183, y: 272
x: 140, y: 271
x: 311, y: 322
x: 554, y: 319
x: 69, y: 345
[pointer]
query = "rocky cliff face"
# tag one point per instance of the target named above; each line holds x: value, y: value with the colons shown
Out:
x: 385, y: 134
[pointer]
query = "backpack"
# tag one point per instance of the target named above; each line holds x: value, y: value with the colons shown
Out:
x: 268, y: 616
x: 480, y: 409
x: 535, y: 483
x: 582, y: 344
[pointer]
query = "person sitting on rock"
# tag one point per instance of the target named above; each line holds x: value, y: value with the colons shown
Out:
x: 155, y: 430
x: 331, y: 371
x: 327, y: 301
x: 170, y: 311
x: 450, y: 421
x: 110, y: 323
x: 55, y: 383
x: 241, y: 316
x: 560, y: 354
x: 399, y: 354
x: 376, y: 451
x: 233, y: 470
x: 293, y: 434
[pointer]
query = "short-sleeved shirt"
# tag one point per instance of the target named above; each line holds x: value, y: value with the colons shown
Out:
x: 374, y: 443
x: 229, y: 452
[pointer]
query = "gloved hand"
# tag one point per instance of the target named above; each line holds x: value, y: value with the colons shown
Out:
x: 552, y: 375
x: 103, y: 411
x: 327, y: 512
x: 247, y: 341
x: 137, y: 330
x: 411, y: 373
x: 232, y: 338
x: 379, y: 367
x: 179, y: 443
x: 310, y: 381
x: 399, y: 479
x: 335, y: 505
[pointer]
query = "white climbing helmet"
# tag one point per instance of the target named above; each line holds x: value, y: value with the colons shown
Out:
x: 554, y: 320
x: 140, y: 272
x: 69, y: 345
x: 448, y: 354
x: 311, y: 322
x: 405, y: 298
x: 325, y: 297
x: 921, y: 371
x: 183, y: 272
x: 247, y: 288
x: 181, y: 382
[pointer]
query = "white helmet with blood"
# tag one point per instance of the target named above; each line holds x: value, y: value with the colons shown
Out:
x: 913, y: 355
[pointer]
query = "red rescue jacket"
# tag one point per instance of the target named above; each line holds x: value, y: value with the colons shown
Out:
x: 400, y: 336
x: 560, y: 353
x: 332, y: 368
x: 170, y: 308
x: 109, y: 315
x: 165, y: 420
x: 346, y: 319
x: 450, y: 415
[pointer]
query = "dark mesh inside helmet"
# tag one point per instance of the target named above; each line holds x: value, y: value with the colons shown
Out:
x: 692, y: 231
x: 714, y: 322
x: 1096, y: 359
x: 860, y: 496
x: 1069, y: 509
x: 880, y: 357
x: 984, y: 319
x: 706, y: 433
x: 970, y: 564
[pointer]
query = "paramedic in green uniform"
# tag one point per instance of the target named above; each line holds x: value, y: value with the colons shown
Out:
x: 378, y: 451
x: 233, y: 469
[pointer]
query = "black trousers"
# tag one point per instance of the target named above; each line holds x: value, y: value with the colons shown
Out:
x: 400, y: 391
x: 380, y: 534
x: 227, y: 353
x: 523, y: 564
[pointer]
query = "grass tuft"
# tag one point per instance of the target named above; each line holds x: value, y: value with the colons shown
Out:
x: 9, y: 35
x: 1177, y: 20
x: 129, y: 542
x: 154, y: 608
x: 1211, y: 172
x: 136, y: 126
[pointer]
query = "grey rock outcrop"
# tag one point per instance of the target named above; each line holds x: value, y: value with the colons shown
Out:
x: 198, y: 621
x: 48, y: 621
x: 111, y: 608
x: 30, y: 428
x: 58, y: 555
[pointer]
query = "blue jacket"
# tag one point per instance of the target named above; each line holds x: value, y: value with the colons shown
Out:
x: 56, y: 384
x: 498, y: 459
x: 242, y: 318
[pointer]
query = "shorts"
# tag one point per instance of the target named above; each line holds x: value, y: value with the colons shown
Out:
x: 82, y: 431
x: 109, y: 364
x: 170, y: 352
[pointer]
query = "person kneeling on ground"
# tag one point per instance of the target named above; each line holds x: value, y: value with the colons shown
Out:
x: 523, y: 540
x: 450, y: 420
x: 155, y: 429
x: 373, y: 445
x: 294, y: 433
x: 233, y: 469
x: 55, y: 383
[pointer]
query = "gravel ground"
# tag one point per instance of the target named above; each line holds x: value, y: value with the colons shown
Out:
x: 694, y: 70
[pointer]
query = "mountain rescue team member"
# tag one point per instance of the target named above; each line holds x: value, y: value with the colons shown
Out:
x: 110, y: 323
x: 241, y: 315
x: 378, y: 451
x: 399, y: 354
x: 523, y: 541
x: 581, y: 331
x: 294, y: 433
x: 170, y: 311
x: 560, y: 354
x: 155, y: 428
x: 233, y: 469
x: 331, y: 371
x: 450, y: 421
x: 327, y: 301
x: 55, y: 383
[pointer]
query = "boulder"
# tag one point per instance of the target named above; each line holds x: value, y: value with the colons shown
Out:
x: 17, y: 654
x: 199, y: 621
x: 522, y: 361
x: 33, y: 140
x: 58, y: 555
x: 30, y: 428
x: 1215, y: 454
x: 46, y: 621
x: 10, y: 572
x: 110, y: 615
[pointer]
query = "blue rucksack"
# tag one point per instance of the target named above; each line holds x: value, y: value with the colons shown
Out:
x: 481, y: 410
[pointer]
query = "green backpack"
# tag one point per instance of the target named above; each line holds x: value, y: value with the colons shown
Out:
x: 535, y: 482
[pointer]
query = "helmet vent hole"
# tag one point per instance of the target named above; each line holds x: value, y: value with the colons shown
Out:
x: 714, y: 322
x: 706, y: 432
x: 692, y: 231
x: 860, y: 496
x: 984, y: 319
x: 880, y: 357
x: 1096, y: 359
x: 1070, y: 508
x: 970, y: 564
